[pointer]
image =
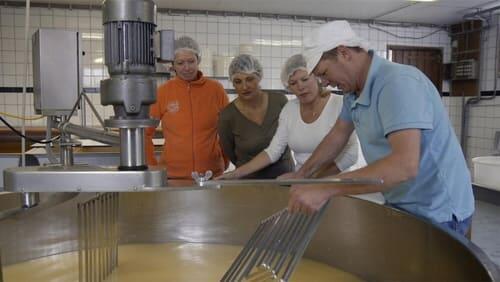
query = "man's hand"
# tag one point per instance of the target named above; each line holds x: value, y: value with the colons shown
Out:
x: 229, y: 175
x: 308, y: 198
x: 290, y: 175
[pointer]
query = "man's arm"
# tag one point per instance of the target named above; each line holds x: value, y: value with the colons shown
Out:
x: 328, y: 149
x: 399, y: 166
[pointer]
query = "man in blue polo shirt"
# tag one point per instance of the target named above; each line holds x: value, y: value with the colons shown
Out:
x: 403, y: 128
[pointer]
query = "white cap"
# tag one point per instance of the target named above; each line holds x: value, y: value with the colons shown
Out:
x: 327, y: 37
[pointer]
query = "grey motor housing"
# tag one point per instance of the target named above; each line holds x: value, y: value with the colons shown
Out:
x: 129, y: 27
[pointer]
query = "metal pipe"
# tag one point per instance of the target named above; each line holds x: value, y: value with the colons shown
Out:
x: 88, y: 247
x: 25, y: 85
x: 273, y: 248
x: 92, y: 240
x: 103, y: 227
x: 291, y: 242
x: 83, y: 111
x: 29, y: 200
x: 394, y: 10
x: 108, y: 222
x: 481, y: 12
x: 48, y: 136
x: 286, y: 182
x: 268, y: 238
x: 67, y: 155
x: 132, y: 152
x: 116, y: 200
x: 309, y: 232
x: 66, y: 149
x: 476, y: 100
x: 237, y: 263
x: 80, y: 217
x: 91, y: 133
x: 45, y: 203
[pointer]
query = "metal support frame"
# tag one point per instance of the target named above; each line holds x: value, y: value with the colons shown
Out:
x: 91, y: 133
x: 82, y: 178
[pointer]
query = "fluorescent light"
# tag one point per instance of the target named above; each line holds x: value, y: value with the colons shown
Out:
x: 268, y: 42
x: 92, y: 35
x: 98, y: 60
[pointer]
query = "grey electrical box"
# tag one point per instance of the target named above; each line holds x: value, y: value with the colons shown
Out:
x: 164, y: 44
x: 464, y: 70
x: 56, y: 71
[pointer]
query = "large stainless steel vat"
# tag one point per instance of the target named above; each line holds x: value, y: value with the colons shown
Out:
x: 375, y: 242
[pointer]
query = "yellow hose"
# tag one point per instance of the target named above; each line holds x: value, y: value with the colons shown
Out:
x: 19, y: 117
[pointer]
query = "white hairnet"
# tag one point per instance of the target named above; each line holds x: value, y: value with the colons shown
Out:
x: 327, y: 37
x: 187, y: 43
x: 293, y: 64
x: 244, y: 64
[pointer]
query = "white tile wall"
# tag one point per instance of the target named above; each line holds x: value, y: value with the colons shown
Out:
x: 272, y: 41
x: 483, y: 122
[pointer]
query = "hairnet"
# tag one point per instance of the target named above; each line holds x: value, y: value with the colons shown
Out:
x: 244, y: 64
x: 294, y: 63
x: 327, y: 37
x: 187, y: 43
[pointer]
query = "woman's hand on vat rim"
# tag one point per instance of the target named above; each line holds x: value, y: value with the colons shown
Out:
x: 234, y: 174
x: 290, y: 175
x: 308, y: 198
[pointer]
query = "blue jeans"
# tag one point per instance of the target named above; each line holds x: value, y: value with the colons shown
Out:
x: 459, y: 226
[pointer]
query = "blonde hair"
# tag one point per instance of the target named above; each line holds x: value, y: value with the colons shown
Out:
x: 323, y: 92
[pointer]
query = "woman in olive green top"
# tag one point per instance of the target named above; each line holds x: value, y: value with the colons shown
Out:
x: 247, y: 125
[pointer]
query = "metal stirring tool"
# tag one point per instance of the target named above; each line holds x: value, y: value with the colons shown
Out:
x: 276, y: 247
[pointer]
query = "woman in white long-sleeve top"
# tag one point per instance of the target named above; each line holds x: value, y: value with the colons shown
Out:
x: 303, y: 123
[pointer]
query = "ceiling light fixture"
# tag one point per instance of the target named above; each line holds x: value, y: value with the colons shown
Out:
x: 268, y: 42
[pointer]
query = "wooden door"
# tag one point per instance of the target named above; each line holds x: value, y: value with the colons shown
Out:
x: 428, y: 60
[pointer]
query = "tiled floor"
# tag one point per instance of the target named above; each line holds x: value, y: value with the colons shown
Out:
x: 486, y: 229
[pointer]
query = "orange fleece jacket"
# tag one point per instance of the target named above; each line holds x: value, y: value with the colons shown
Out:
x: 189, y: 112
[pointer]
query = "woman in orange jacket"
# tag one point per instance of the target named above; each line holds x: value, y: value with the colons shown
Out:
x: 188, y: 106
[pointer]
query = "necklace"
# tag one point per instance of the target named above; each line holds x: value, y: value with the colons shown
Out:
x: 314, y: 110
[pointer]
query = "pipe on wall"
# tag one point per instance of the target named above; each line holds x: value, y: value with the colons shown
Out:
x: 476, y: 100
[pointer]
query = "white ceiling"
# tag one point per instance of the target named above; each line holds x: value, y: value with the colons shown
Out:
x: 439, y: 12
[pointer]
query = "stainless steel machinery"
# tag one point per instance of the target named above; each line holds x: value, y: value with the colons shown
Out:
x: 129, y: 29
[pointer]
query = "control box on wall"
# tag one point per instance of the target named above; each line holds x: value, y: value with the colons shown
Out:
x: 464, y: 70
x: 56, y: 71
